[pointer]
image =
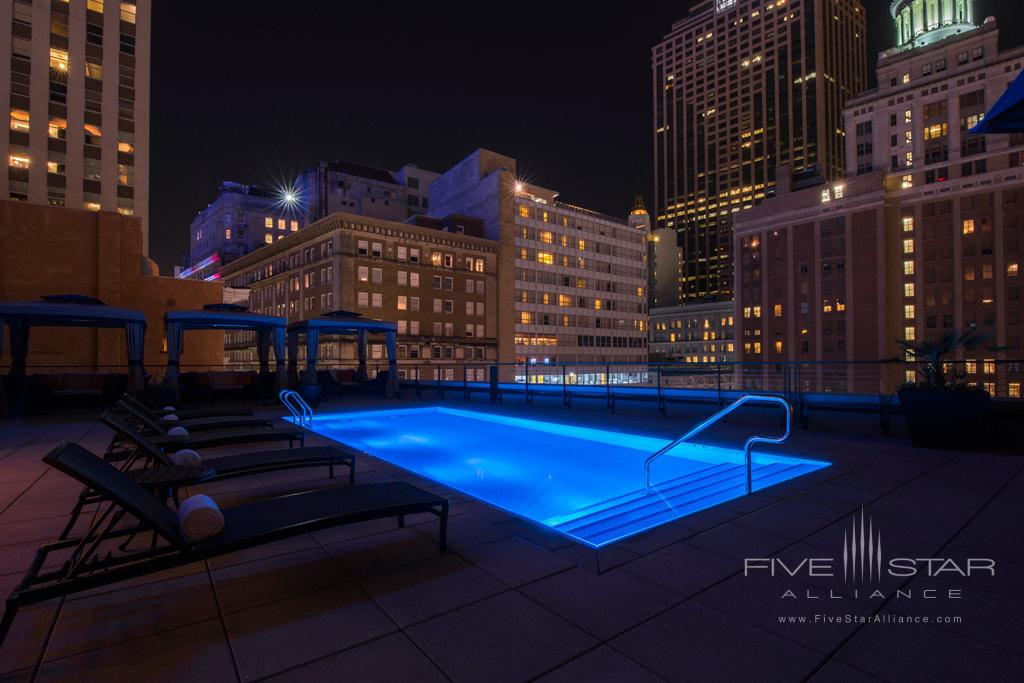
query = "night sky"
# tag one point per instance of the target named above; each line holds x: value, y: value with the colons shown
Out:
x: 254, y: 95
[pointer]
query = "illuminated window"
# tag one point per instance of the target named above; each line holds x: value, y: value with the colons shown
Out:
x: 128, y: 12
x: 908, y: 116
x: 757, y: 311
x: 94, y: 5
x: 986, y: 271
x: 778, y: 346
x: 125, y: 147
x: 777, y: 310
x: 825, y: 195
x: 19, y: 120
x: 909, y: 334
x: 525, y: 317
x: 544, y: 216
x: 990, y: 388
x: 908, y: 289
x: 93, y: 70
x: 906, y: 182
x: 363, y: 274
x: 908, y: 376
x: 281, y: 224
x: 227, y: 233
x: 295, y: 226
x: 840, y: 306
x: 908, y: 246
x: 908, y: 311
x: 582, y: 245
x: 936, y: 130
x: 989, y: 366
x: 908, y: 267
x: 757, y: 347
x: 58, y: 59
x: 971, y: 367
x: 524, y: 211
x: 546, y: 237
x: 1014, y: 390
x: 906, y: 78
x: 908, y: 137
x: 746, y: 311
x: 969, y: 273
x: 403, y: 302
x: 19, y: 161
x: 968, y: 226
x: 268, y: 222
x: 908, y: 224
x: 1012, y: 269
x: 909, y: 159
x: 838, y: 191
x: 545, y: 257
x: 268, y: 238
x: 597, y: 304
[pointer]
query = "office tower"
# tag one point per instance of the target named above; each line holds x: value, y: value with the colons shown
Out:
x: 741, y: 87
x: 77, y: 90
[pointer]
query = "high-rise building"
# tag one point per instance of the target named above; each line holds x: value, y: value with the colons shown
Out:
x: 741, y: 87
x: 924, y: 236
x: 352, y: 187
x: 240, y: 220
x: 572, y: 282
x: 76, y: 77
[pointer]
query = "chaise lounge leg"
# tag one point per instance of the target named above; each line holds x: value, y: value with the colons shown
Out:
x: 75, y: 512
x: 10, y: 610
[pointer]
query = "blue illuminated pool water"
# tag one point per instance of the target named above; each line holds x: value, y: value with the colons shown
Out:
x: 584, y: 482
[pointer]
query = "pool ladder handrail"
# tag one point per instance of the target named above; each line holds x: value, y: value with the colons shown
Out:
x: 746, y: 398
x: 297, y: 406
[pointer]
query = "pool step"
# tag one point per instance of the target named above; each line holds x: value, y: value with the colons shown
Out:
x: 637, y: 511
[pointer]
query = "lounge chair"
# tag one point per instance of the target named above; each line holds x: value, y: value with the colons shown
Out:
x: 145, y: 403
x: 213, y: 437
x: 192, y: 424
x: 96, y: 559
x: 223, y: 467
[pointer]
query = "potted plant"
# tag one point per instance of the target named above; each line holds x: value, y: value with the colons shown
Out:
x: 941, y: 409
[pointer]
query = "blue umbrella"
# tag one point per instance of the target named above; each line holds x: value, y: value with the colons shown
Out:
x: 1007, y: 114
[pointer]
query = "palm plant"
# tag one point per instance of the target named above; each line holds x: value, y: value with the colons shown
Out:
x: 931, y: 357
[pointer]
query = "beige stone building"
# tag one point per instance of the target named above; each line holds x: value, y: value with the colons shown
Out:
x: 573, y: 282
x: 76, y: 80
x: 436, y: 280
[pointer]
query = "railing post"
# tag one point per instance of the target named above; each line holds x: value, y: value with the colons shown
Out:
x: 565, y: 388
x: 608, y: 387
x: 718, y: 380
x: 661, y: 398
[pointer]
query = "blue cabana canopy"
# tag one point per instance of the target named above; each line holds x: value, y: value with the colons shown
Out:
x: 22, y: 316
x: 270, y: 330
x: 341, y: 323
x: 1007, y: 114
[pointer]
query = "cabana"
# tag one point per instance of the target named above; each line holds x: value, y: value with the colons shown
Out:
x: 72, y: 311
x: 1007, y: 114
x: 346, y: 323
x: 269, y: 331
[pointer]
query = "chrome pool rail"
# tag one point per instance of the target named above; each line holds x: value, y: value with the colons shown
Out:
x: 746, y: 398
x: 297, y: 406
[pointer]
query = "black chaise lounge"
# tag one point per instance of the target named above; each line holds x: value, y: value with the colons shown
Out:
x: 95, y: 559
x: 223, y: 467
x: 194, y: 424
x: 147, y: 404
x: 213, y: 437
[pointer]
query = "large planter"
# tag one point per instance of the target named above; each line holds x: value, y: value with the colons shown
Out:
x: 953, y: 419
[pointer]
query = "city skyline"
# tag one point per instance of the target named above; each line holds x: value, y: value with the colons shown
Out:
x: 278, y: 96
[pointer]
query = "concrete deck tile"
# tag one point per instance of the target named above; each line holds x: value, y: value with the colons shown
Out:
x: 693, y: 642
x: 514, y: 561
x: 603, y: 605
x: 290, y: 632
x: 504, y: 638
x: 388, y: 659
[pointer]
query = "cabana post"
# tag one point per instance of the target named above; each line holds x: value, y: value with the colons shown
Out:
x: 342, y: 323
x: 270, y: 331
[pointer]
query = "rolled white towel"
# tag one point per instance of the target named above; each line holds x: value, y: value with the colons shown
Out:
x: 168, y: 409
x: 170, y: 417
x: 199, y: 518
x: 178, y: 431
x: 186, y: 456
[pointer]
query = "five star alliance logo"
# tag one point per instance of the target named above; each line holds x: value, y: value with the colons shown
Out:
x: 862, y: 552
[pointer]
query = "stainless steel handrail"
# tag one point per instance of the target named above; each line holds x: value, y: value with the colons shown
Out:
x: 748, y: 398
x: 297, y: 406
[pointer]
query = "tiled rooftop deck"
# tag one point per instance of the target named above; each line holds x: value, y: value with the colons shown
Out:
x: 511, y: 601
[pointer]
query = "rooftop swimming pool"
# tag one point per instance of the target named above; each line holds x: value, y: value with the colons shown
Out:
x: 586, y: 483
